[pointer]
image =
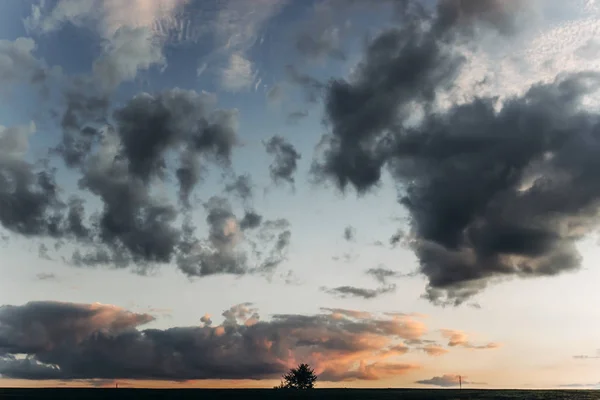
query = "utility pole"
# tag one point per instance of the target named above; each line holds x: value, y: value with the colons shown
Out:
x: 460, y: 382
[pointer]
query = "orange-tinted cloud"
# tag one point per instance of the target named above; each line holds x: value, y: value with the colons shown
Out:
x: 461, y: 339
x: 434, y: 350
x: 102, y: 342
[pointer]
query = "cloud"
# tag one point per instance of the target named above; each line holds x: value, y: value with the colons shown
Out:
x: 129, y: 41
x: 312, y: 87
x: 128, y: 51
x: 251, y: 220
x: 183, y: 132
x: 19, y: 64
x: 275, y: 93
x: 510, y: 218
x: 45, y: 276
x: 444, y: 381
x: 135, y: 226
x: 365, y: 293
x: 296, y: 116
x: 461, y: 339
x: 42, y: 327
x: 106, y: 16
x: 587, y: 357
x: 28, y: 193
x: 241, y: 187
x: 349, y: 233
x: 382, y: 275
x: 285, y: 164
x: 223, y: 252
x: 206, y: 320
x: 236, y: 27
x: 580, y: 385
x: 238, y: 75
x: 75, y: 341
x: 434, y: 350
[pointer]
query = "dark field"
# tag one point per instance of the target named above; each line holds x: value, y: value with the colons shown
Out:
x: 358, y: 394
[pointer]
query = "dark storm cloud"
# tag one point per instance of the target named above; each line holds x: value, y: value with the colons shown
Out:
x: 70, y: 341
x: 285, y: 164
x: 365, y: 293
x: 29, y: 197
x: 121, y: 162
x: 493, y: 190
x: 241, y: 187
x: 150, y: 125
x: 349, y: 233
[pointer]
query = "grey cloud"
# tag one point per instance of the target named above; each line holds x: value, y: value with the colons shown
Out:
x: 285, y: 164
x: 444, y: 381
x: 219, y: 253
x: 465, y: 14
x: 397, y: 238
x: 580, y: 385
x: 348, y: 257
x: 326, y: 43
x: 312, y: 87
x: 296, y: 116
x: 365, y: 293
x: 27, y: 367
x: 43, y: 326
x: 382, y: 275
x: 121, y: 163
x: 20, y: 65
x: 349, y: 233
x: 43, y: 252
x: 275, y: 93
x: 45, y: 276
x: 509, y: 215
x: 28, y: 193
x: 241, y: 186
x: 251, y: 220
x: 223, y: 251
x: 588, y: 357
x: 106, y: 342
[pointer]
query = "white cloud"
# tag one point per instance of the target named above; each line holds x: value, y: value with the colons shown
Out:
x: 237, y: 27
x: 130, y: 50
x: 239, y: 74
x: 504, y: 71
x: 132, y: 41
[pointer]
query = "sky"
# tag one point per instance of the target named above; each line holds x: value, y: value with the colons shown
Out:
x: 207, y: 193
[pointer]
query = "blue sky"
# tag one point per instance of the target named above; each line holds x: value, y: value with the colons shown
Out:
x: 254, y: 62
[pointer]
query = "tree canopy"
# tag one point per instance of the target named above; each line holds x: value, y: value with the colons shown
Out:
x: 302, y: 377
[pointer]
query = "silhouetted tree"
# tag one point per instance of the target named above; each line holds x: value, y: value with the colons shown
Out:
x: 302, y: 377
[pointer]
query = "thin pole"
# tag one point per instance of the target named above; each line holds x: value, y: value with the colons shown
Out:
x: 460, y: 381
